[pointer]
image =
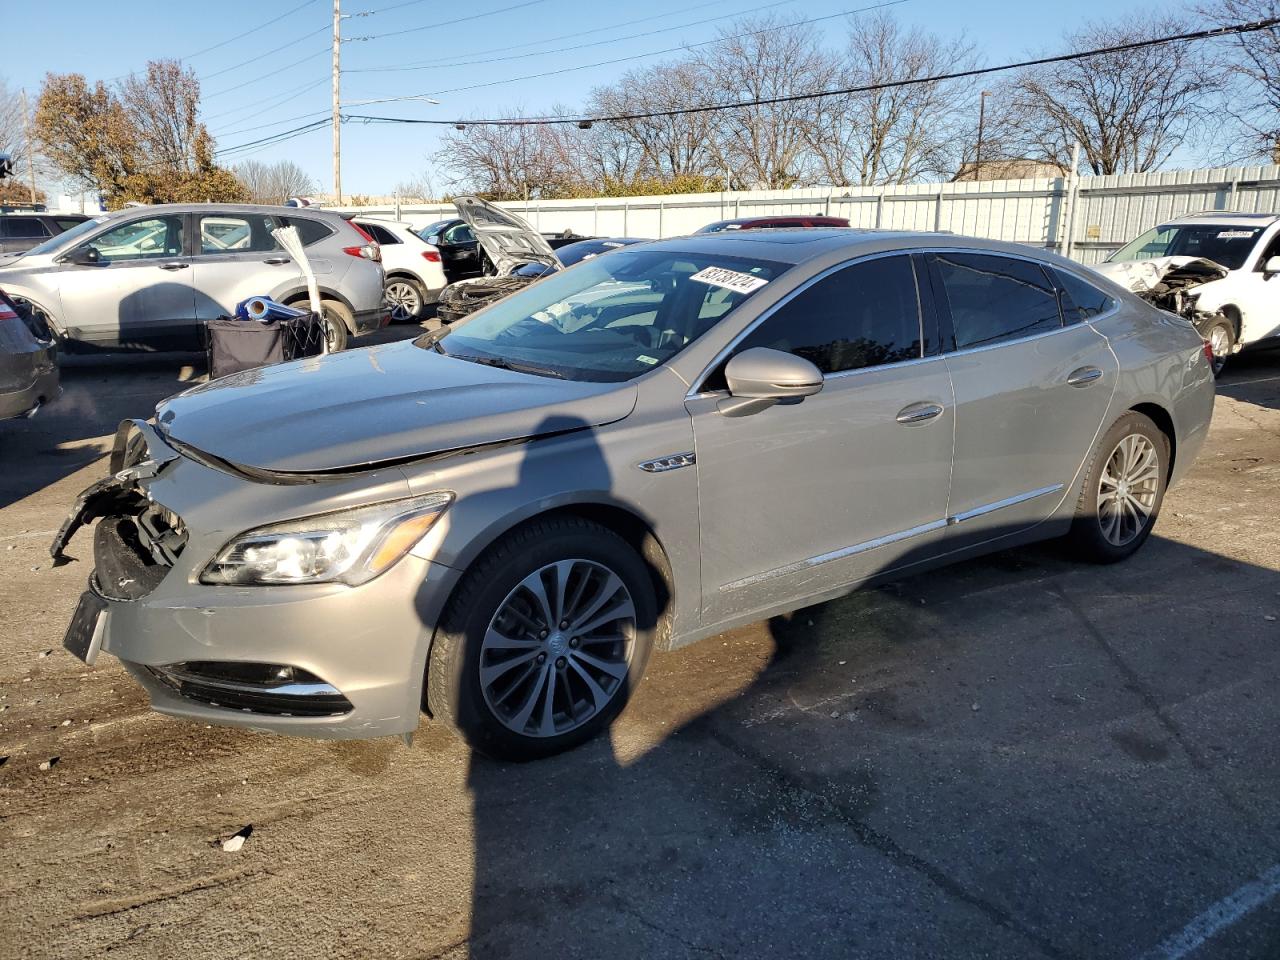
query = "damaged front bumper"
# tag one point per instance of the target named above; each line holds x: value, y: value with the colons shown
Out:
x: 323, y: 660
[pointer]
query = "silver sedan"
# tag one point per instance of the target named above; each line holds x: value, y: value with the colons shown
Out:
x: 499, y: 522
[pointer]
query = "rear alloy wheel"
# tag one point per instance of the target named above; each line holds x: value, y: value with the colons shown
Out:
x: 337, y: 322
x: 1221, y: 337
x: 543, y: 640
x: 404, y: 298
x: 1122, y: 491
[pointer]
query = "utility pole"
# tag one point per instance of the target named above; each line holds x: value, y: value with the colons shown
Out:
x: 337, y: 116
x: 31, y: 149
x: 982, y: 116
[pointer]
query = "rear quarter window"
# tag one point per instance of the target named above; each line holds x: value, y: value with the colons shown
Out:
x: 310, y: 231
x: 1081, y: 300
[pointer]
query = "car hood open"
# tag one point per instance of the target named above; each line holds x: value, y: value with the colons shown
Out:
x: 363, y: 408
x: 1160, y: 274
x: 508, y: 240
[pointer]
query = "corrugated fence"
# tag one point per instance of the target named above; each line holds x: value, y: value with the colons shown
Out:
x: 1085, y: 218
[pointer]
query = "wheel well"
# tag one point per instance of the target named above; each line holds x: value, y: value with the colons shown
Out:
x: 1160, y: 417
x: 403, y: 275
x: 1232, y: 313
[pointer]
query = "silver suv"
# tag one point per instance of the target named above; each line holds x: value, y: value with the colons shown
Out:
x: 146, y: 276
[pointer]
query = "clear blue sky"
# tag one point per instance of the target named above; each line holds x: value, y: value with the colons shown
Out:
x: 240, y: 105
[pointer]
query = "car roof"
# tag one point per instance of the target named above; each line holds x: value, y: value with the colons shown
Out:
x: 384, y: 221
x: 222, y: 208
x: 1224, y: 218
x: 795, y: 245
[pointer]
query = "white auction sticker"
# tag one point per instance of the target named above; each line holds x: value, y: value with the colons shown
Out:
x: 1234, y: 234
x: 729, y: 279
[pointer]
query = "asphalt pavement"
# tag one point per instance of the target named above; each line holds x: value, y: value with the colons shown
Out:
x: 1016, y: 757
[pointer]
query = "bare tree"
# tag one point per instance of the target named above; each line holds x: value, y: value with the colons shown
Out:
x: 421, y: 187
x: 163, y: 105
x: 895, y: 134
x: 765, y: 146
x: 274, y: 182
x: 1252, y: 62
x: 508, y: 161
x: 664, y: 147
x: 1129, y: 110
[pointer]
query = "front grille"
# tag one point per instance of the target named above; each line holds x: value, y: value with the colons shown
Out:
x: 265, y: 688
x: 132, y: 554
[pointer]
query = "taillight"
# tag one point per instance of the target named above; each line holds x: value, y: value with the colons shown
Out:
x: 1208, y: 351
x: 370, y: 251
x: 432, y: 255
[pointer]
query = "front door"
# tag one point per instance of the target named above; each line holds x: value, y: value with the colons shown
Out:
x: 139, y: 292
x: 805, y: 498
x: 1031, y: 393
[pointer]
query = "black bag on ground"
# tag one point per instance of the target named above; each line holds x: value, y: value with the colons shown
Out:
x: 236, y: 345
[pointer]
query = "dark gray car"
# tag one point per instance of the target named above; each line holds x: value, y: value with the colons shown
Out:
x: 500, y: 521
x: 28, y: 364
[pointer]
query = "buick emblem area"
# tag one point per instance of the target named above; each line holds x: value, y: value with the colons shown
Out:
x: 673, y: 462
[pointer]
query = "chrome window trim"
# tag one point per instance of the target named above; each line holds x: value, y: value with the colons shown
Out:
x: 908, y: 534
x: 697, y: 391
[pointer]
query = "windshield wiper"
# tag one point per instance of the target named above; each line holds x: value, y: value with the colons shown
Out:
x: 505, y: 364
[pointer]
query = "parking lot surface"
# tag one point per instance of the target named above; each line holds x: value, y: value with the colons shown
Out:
x: 1016, y: 757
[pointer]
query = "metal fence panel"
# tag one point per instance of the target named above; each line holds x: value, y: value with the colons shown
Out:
x: 1108, y: 211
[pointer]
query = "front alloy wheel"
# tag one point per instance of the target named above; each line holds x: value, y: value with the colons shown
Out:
x: 543, y: 639
x: 1222, y: 342
x: 558, y: 648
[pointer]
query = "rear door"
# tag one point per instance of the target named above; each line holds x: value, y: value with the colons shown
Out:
x: 1032, y: 393
x: 236, y: 257
x: 21, y: 233
x: 139, y: 292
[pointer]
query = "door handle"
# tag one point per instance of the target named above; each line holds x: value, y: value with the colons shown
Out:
x: 919, y: 412
x: 1084, y: 376
x: 174, y: 266
x: 275, y: 260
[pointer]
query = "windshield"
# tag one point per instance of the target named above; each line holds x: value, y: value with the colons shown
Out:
x: 431, y: 229
x: 1228, y: 246
x: 610, y: 318
x: 64, y: 239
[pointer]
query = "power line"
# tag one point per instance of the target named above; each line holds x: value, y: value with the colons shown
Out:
x: 241, y: 36
x: 652, y: 53
x: 263, y: 76
x: 285, y: 96
x: 427, y: 64
x: 275, y: 123
x: 597, y: 43
x: 1233, y: 30
x: 244, y: 62
x: 276, y: 137
x: 448, y: 23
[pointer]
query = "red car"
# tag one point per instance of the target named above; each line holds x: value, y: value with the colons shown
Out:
x: 759, y: 223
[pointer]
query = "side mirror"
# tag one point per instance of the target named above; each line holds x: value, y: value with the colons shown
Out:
x: 1271, y: 266
x: 85, y: 256
x: 760, y: 377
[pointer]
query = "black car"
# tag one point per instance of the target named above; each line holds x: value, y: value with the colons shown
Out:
x: 28, y: 362
x: 20, y: 232
x: 460, y: 252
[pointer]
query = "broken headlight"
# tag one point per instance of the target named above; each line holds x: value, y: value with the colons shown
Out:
x: 350, y: 546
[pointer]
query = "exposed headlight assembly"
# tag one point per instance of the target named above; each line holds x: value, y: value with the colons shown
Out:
x: 349, y: 546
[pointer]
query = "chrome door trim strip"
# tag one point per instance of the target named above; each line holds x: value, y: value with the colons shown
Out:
x: 836, y: 554
x: 889, y: 538
x: 1001, y: 504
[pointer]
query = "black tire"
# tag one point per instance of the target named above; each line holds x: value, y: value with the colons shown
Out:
x: 338, y: 321
x: 1220, y: 333
x: 1089, y: 537
x: 454, y: 691
x: 409, y: 308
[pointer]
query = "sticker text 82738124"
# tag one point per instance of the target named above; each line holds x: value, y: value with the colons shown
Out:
x: 729, y: 279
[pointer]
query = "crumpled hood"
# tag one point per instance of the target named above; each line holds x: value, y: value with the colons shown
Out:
x: 389, y: 403
x: 508, y: 240
x: 1142, y: 276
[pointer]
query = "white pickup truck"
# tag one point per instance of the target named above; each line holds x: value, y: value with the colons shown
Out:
x: 1220, y: 270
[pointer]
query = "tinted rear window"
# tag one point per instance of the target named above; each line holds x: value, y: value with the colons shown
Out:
x: 1082, y: 297
x: 309, y: 231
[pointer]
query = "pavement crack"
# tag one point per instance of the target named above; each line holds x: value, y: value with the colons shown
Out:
x: 623, y: 907
x: 881, y: 843
x: 1148, y: 698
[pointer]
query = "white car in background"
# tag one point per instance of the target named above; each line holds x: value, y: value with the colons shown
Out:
x: 415, y: 274
x: 1218, y: 269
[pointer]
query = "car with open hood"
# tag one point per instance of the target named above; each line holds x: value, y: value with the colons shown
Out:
x: 1218, y: 269
x: 498, y: 522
